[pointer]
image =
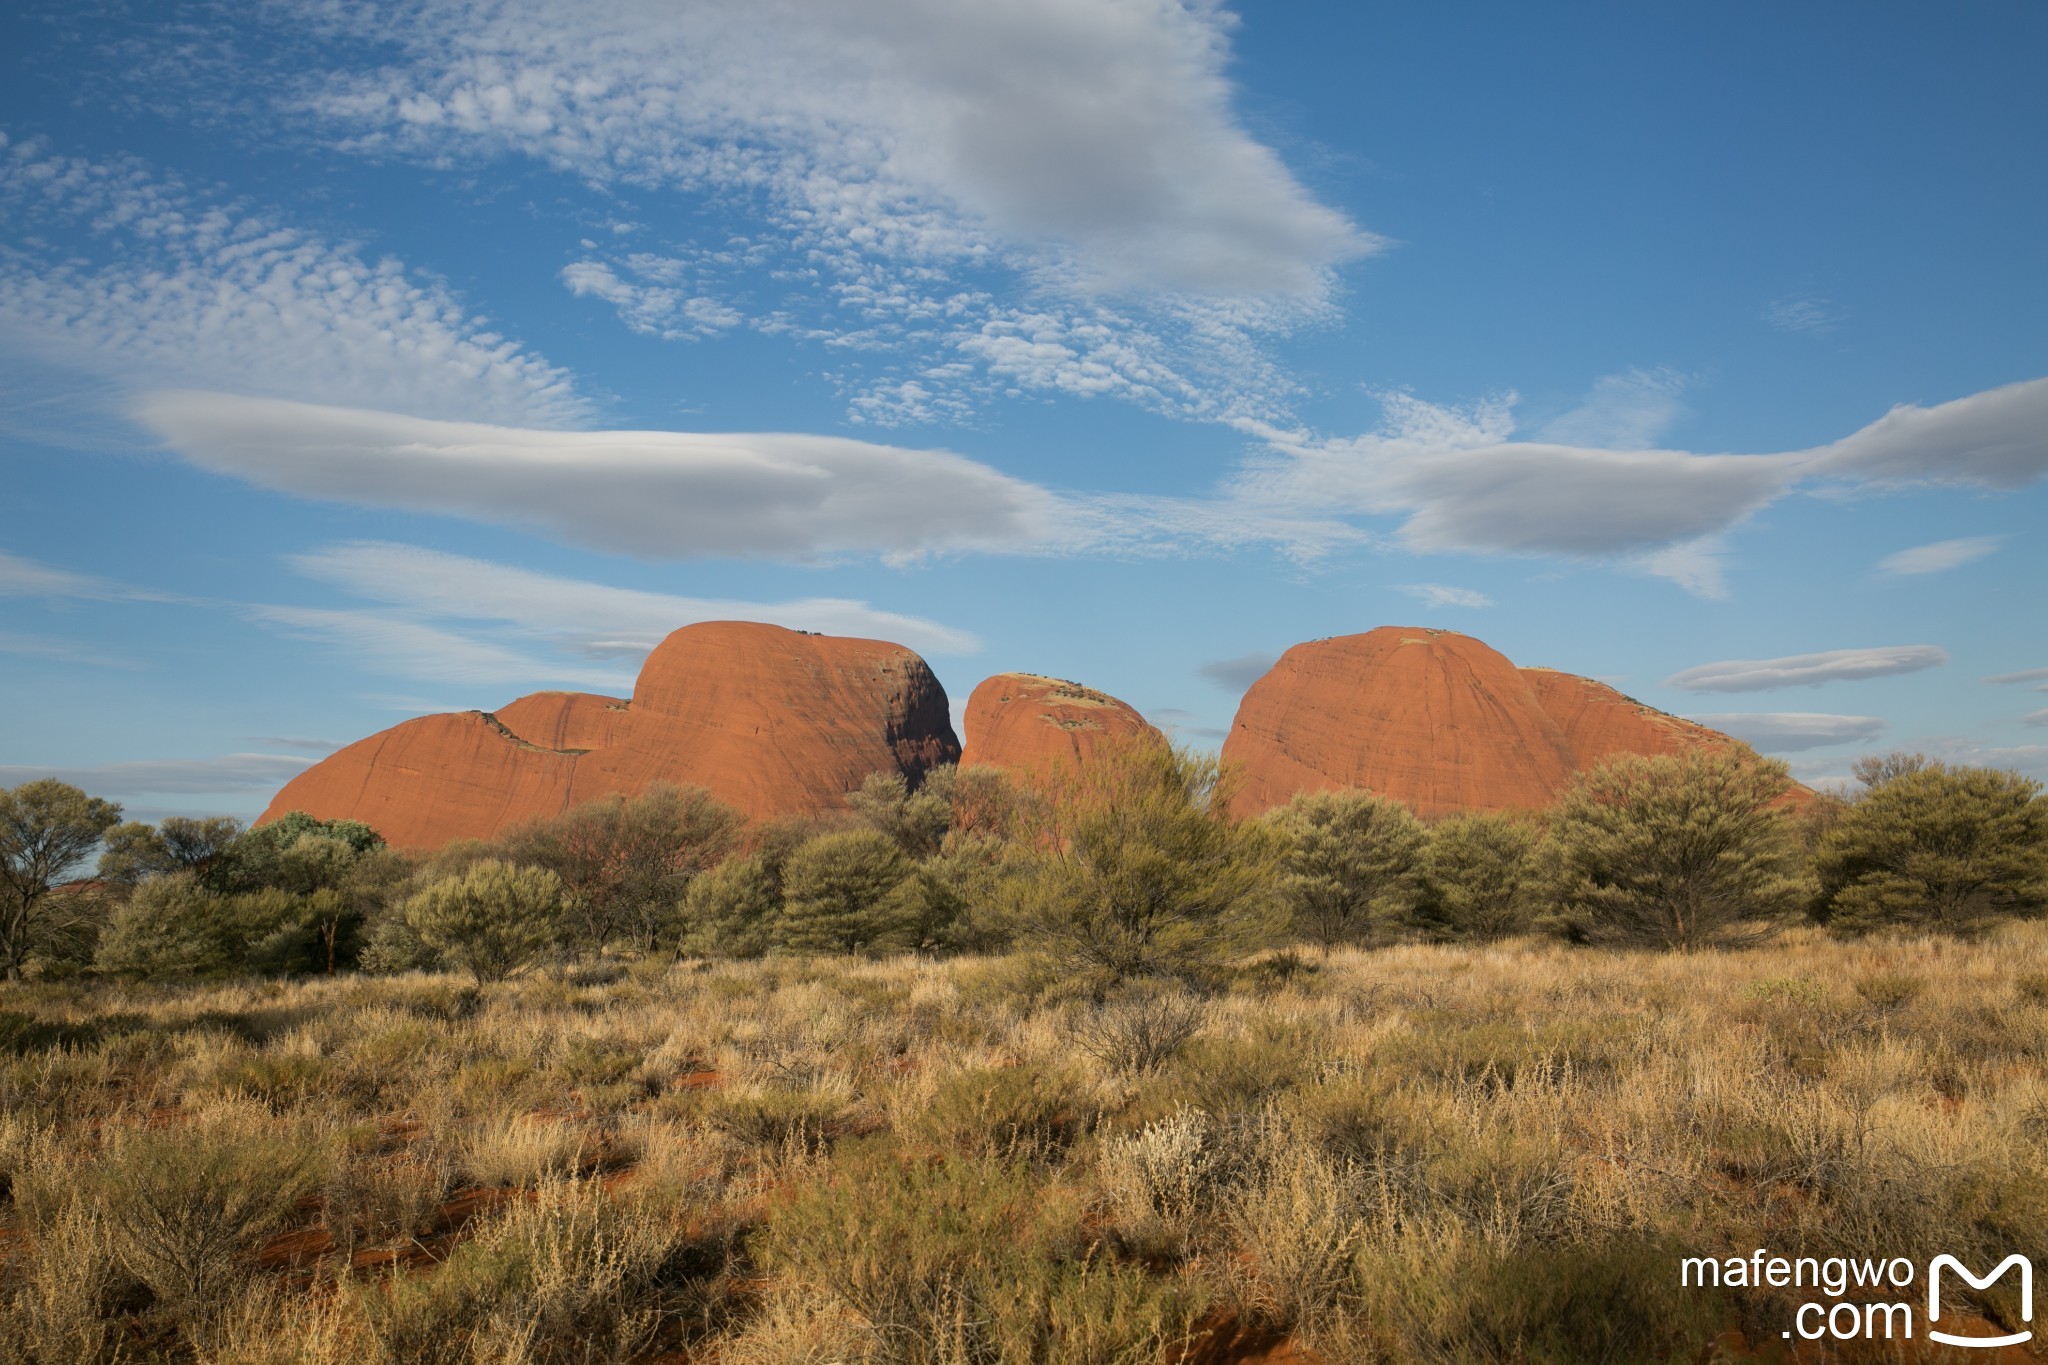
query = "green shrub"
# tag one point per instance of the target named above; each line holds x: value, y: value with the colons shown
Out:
x: 493, y: 919
x: 850, y: 892
x: 1949, y: 849
x: 1681, y: 852
x: 1477, y: 878
x: 1009, y: 1112
x: 1348, y: 865
x: 1133, y: 867
x: 972, y: 1261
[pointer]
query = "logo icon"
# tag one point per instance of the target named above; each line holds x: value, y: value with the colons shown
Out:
x: 1934, y: 1270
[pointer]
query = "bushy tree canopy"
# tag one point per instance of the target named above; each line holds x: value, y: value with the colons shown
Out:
x: 1675, y: 852
x: 1935, y: 847
x: 1347, y: 864
x: 46, y: 829
x: 491, y: 920
x: 1477, y: 877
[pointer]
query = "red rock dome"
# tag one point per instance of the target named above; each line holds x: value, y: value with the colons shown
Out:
x: 1024, y: 721
x: 1435, y: 719
x: 772, y: 721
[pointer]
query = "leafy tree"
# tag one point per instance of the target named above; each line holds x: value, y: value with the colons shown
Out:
x: 176, y: 926
x: 1935, y: 847
x: 492, y: 920
x: 1347, y: 863
x: 1133, y: 868
x: 730, y: 910
x: 1674, y: 852
x: 916, y: 822
x: 849, y: 892
x: 1477, y: 877
x: 626, y: 864
x: 1874, y: 770
x: 136, y: 851
x: 46, y: 829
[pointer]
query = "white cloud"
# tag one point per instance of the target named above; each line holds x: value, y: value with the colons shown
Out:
x: 2035, y: 717
x: 58, y: 649
x: 227, y: 773
x: 1439, y: 595
x: 1237, y: 674
x: 1784, y: 732
x: 1997, y: 439
x: 26, y: 578
x: 909, y: 162
x: 1939, y: 556
x: 400, y: 646
x: 2023, y: 676
x: 1091, y: 140
x: 130, y: 276
x: 1802, y: 313
x: 1807, y: 670
x: 589, y: 619
x: 657, y: 494
x: 1627, y: 411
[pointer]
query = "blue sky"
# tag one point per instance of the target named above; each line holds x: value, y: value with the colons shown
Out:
x: 359, y: 361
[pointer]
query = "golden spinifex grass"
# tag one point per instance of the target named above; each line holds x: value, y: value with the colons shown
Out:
x: 1418, y: 1153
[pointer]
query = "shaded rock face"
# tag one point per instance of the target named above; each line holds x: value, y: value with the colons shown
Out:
x: 1434, y: 719
x: 771, y: 721
x: 1026, y: 722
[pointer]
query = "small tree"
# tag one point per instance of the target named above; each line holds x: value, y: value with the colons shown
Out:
x: 493, y: 919
x: 626, y: 864
x: 1348, y: 864
x: 1874, y: 770
x: 1935, y: 847
x: 916, y: 822
x: 849, y: 892
x: 1133, y: 867
x: 46, y: 829
x: 1477, y: 877
x: 1679, y: 852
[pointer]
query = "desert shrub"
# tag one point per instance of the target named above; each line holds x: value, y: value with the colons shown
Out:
x: 1009, y: 1112
x: 1134, y: 867
x: 1298, y: 1212
x: 1477, y: 878
x: 850, y: 892
x: 1163, y: 1182
x: 368, y: 1202
x: 1348, y: 864
x: 1941, y: 848
x: 798, y: 1120
x: 570, y: 1277
x: 970, y: 1261
x: 521, y: 1152
x: 626, y: 864
x: 59, y: 1304
x: 172, y: 926
x: 1139, y: 1027
x: 493, y: 919
x: 730, y: 910
x: 915, y: 821
x: 1674, y: 852
x: 46, y: 828
x: 186, y: 1206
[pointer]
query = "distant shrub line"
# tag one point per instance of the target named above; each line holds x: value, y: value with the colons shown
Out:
x: 1123, y: 868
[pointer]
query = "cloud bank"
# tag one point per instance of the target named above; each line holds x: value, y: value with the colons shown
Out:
x: 1807, y: 670
x: 1784, y: 732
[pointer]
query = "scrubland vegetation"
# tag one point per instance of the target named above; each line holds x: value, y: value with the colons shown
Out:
x: 990, y: 1072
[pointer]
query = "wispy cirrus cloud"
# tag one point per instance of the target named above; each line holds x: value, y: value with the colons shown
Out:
x: 1939, y: 556
x: 583, y: 618
x: 168, y: 776
x: 1807, y: 670
x: 1807, y: 313
x: 1784, y: 732
x: 131, y: 275
x: 2025, y: 675
x: 1441, y: 595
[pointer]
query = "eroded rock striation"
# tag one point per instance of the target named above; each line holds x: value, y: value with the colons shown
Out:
x: 1026, y: 722
x: 772, y: 721
x: 1436, y: 719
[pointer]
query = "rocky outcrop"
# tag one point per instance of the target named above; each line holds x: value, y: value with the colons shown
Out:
x: 772, y: 721
x: 1435, y: 719
x: 1028, y: 723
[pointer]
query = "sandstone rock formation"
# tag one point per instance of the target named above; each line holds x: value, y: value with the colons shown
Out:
x: 772, y: 721
x: 1435, y: 719
x: 1026, y: 722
